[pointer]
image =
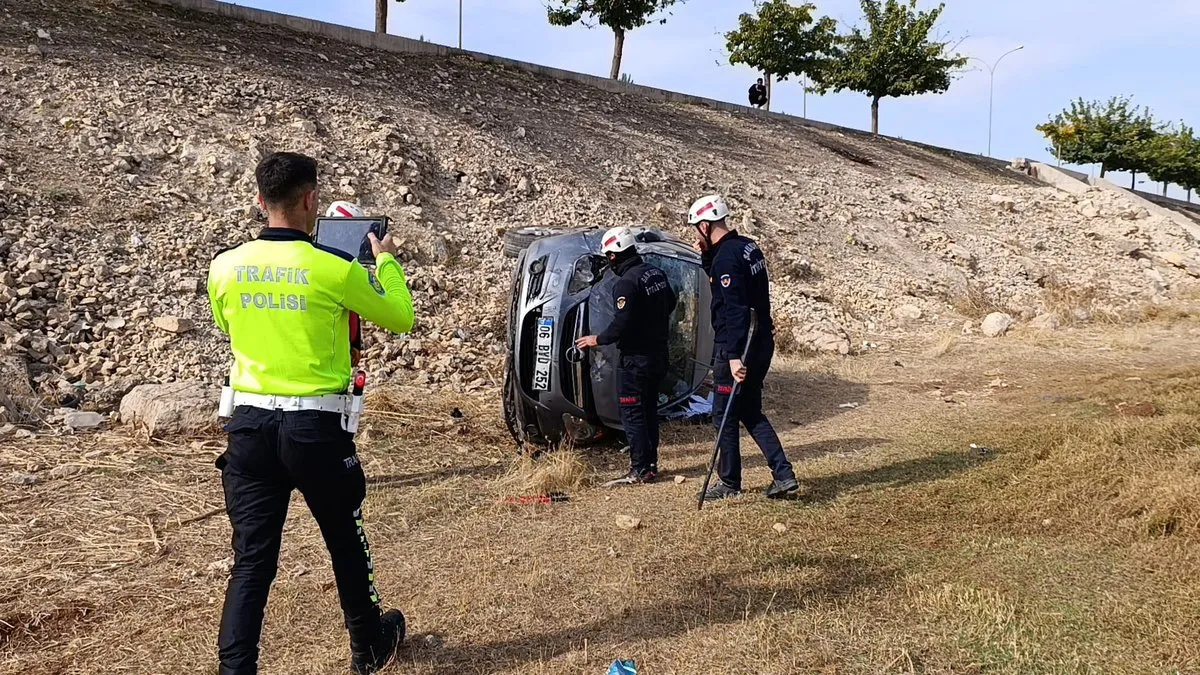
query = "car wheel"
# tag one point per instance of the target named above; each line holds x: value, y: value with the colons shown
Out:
x: 510, y: 406
x: 519, y: 239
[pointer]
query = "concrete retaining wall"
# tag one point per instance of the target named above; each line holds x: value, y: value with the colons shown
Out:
x: 1188, y: 224
x: 396, y: 43
x: 1067, y: 181
x: 1076, y: 183
x: 1172, y: 203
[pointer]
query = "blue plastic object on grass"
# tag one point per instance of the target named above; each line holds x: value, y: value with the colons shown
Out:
x: 620, y: 667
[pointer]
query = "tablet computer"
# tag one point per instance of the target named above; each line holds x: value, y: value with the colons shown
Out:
x: 349, y: 235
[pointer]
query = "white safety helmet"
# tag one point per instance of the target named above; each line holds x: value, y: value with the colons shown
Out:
x: 344, y: 210
x: 708, y: 209
x: 616, y: 240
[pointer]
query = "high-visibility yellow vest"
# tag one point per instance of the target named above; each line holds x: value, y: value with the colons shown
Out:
x: 288, y: 304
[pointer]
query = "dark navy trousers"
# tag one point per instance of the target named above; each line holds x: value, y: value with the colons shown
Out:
x: 747, y: 411
x: 638, y: 377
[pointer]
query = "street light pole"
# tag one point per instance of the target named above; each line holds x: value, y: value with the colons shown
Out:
x: 460, y: 24
x: 804, y: 84
x: 992, y: 88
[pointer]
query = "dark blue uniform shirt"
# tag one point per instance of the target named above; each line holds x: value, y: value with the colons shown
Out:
x: 737, y: 272
x: 644, y: 301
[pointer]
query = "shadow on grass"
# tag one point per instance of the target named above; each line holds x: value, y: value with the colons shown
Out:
x: 921, y: 470
x: 709, y: 600
x: 751, y: 457
x: 807, y: 398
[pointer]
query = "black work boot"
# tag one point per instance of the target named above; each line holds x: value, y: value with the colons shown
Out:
x: 720, y: 491
x: 369, y: 656
x: 782, y: 488
x: 634, y: 477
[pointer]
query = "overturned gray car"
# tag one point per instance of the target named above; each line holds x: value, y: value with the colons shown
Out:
x: 562, y: 290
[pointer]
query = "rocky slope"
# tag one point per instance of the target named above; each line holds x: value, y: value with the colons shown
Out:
x: 129, y: 133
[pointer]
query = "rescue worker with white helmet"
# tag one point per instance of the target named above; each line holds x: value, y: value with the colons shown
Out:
x: 737, y: 273
x: 643, y: 301
x: 342, y: 209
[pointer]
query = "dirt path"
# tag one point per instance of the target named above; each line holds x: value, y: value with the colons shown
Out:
x: 910, y: 552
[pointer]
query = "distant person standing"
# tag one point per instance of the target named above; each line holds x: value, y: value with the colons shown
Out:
x: 737, y: 272
x: 758, y: 94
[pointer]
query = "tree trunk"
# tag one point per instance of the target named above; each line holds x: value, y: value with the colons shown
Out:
x: 381, y: 16
x: 1103, y: 169
x: 618, y: 51
x: 875, y: 115
x: 1132, y: 180
x: 768, y: 79
x: 1165, y: 188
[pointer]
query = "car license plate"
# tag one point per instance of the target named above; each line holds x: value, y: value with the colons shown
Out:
x: 542, y: 354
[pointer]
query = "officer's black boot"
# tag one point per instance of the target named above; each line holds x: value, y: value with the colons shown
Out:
x: 782, y: 488
x: 369, y: 653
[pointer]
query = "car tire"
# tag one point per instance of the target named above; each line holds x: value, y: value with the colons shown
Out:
x: 510, y: 404
x: 519, y: 239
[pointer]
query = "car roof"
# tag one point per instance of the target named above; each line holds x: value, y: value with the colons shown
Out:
x: 649, y: 240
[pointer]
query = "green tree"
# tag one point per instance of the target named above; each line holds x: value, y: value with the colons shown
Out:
x: 381, y: 12
x: 1191, y: 179
x: 893, y: 56
x: 781, y: 40
x: 619, y: 15
x: 1113, y: 134
x: 1170, y: 156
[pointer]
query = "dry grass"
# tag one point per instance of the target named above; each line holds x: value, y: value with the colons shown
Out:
x: 558, y: 471
x: 1077, y: 303
x: 1151, y: 312
x: 972, y: 302
x: 944, y: 345
x: 1069, y: 546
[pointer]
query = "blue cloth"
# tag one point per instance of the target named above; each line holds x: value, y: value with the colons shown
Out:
x: 620, y: 667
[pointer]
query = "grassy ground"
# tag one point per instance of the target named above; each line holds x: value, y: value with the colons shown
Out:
x: 1066, y: 542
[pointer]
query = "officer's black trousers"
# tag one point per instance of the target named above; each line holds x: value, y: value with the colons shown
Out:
x: 638, y: 377
x: 747, y: 409
x: 271, y: 453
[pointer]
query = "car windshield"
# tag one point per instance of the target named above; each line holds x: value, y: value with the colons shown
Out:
x: 685, y: 278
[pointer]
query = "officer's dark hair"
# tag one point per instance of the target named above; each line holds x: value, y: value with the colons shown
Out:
x: 284, y: 177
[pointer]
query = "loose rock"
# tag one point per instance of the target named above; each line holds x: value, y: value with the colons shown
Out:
x: 177, y: 409
x: 64, y: 471
x: 173, y: 324
x: 22, y: 479
x: 628, y: 522
x: 996, y: 324
x: 83, y: 420
x: 1045, y: 322
x: 429, y: 153
x: 907, y: 313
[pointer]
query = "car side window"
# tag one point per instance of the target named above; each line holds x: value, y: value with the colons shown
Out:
x: 686, y: 279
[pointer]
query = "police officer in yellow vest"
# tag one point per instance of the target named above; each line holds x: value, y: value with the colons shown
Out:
x: 287, y: 306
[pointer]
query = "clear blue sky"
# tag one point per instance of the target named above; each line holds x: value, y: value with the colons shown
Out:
x: 1089, y: 48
